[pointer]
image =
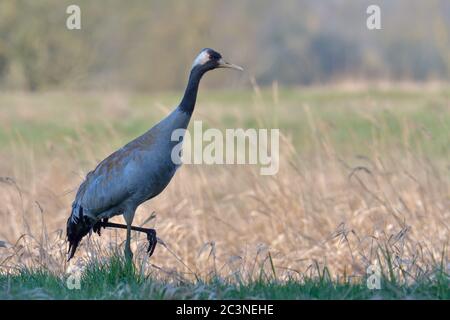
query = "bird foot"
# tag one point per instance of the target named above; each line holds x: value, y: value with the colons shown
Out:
x: 151, y: 233
x: 152, y: 241
x: 99, y: 225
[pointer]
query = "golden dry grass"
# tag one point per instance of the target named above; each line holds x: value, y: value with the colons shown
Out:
x: 325, y: 207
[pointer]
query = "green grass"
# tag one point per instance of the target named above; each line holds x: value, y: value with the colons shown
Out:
x: 116, y: 279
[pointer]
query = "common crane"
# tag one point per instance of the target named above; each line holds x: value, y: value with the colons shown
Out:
x: 138, y: 171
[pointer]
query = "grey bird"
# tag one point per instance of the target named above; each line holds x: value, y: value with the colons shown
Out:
x: 138, y: 171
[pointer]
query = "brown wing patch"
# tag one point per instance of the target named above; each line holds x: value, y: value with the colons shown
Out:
x: 145, y: 141
x: 116, y: 159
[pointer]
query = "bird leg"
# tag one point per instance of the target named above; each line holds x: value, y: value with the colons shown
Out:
x: 151, y: 234
x: 128, y: 252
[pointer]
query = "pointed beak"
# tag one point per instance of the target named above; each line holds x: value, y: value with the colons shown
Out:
x: 224, y: 64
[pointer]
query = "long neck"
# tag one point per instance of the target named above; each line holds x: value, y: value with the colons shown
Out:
x: 190, y: 95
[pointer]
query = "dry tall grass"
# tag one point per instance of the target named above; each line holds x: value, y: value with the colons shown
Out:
x: 323, y: 208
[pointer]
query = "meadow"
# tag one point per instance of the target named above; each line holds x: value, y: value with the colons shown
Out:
x: 364, y: 180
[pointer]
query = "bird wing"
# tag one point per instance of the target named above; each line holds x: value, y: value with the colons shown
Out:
x: 109, y: 184
x: 117, y: 177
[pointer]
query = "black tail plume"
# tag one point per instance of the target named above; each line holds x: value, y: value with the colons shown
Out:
x: 78, y: 225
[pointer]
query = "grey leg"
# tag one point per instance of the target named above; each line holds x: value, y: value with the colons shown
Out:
x: 128, y: 252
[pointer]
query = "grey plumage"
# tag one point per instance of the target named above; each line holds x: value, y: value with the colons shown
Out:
x: 138, y: 171
x: 133, y: 174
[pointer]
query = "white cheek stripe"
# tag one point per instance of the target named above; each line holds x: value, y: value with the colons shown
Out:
x: 202, y: 58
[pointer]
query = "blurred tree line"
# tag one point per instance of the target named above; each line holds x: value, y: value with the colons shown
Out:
x: 150, y: 44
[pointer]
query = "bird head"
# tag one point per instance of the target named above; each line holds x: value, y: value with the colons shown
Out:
x: 208, y: 59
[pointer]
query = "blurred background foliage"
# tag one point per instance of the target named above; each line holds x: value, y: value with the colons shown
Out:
x: 149, y: 44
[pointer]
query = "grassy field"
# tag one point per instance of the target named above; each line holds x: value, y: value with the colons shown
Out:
x: 115, y: 279
x: 364, y: 180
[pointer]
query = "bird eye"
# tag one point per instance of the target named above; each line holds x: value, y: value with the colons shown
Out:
x: 215, y: 56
